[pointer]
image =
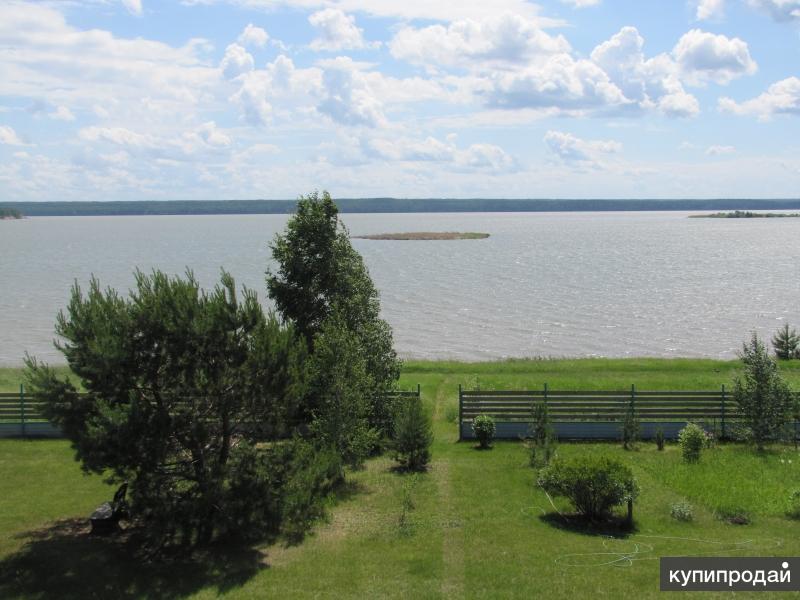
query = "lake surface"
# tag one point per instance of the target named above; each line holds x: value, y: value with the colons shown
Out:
x: 543, y: 284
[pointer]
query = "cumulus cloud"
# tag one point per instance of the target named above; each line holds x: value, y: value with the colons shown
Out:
x: 577, y: 152
x: 62, y: 113
x: 703, y: 56
x: 780, y: 10
x: 484, y: 157
x: 720, y: 150
x: 781, y: 98
x: 652, y: 83
x: 337, y: 31
x: 710, y: 9
x: 507, y: 38
x: 236, y: 61
x: 253, y: 36
x: 581, y: 3
x: 347, y: 99
x: 9, y: 136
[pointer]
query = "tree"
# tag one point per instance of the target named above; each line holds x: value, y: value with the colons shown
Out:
x: 175, y: 379
x: 341, y: 383
x: 413, y: 435
x: 786, y: 343
x: 762, y: 396
x: 318, y: 273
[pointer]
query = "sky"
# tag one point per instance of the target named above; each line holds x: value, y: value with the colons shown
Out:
x: 223, y: 99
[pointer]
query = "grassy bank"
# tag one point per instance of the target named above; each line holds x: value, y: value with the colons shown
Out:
x: 480, y: 528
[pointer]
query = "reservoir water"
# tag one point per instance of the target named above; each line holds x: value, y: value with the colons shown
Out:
x: 543, y: 284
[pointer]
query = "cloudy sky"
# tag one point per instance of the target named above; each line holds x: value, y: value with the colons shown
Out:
x: 196, y: 99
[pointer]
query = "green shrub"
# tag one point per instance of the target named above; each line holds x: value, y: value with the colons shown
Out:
x: 660, y: 439
x: 593, y: 485
x: 682, y: 511
x: 542, y: 444
x: 692, y: 440
x: 412, y: 435
x: 794, y: 505
x: 540, y: 454
x: 734, y: 515
x: 483, y: 427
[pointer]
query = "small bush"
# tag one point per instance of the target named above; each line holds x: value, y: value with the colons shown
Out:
x: 540, y: 454
x: 483, y: 427
x: 451, y: 413
x: 682, y: 511
x: 630, y: 429
x: 692, y: 440
x: 412, y: 435
x: 794, y: 505
x: 660, y: 439
x: 593, y: 485
x: 733, y: 515
x: 405, y: 522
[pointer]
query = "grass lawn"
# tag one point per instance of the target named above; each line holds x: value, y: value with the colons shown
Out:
x: 480, y: 527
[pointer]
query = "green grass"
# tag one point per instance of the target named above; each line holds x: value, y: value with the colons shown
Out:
x: 480, y: 527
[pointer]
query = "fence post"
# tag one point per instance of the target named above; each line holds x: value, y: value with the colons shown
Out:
x: 22, y: 407
x: 418, y: 392
x: 723, y: 412
x: 460, y: 412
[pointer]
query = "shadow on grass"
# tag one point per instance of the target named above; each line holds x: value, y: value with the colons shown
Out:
x: 64, y: 561
x: 615, y: 526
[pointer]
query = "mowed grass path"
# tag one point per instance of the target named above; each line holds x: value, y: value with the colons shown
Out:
x: 480, y: 527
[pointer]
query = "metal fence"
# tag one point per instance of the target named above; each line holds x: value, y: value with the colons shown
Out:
x: 21, y: 415
x: 598, y: 414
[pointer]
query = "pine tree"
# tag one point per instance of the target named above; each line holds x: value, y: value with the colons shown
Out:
x: 786, y: 343
x: 412, y: 435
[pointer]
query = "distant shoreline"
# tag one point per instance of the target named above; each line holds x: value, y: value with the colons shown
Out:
x: 746, y: 214
x: 387, y: 205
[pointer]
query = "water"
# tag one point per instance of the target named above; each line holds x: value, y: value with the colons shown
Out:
x: 543, y: 284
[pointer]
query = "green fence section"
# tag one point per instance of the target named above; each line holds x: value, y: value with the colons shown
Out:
x: 598, y: 414
x: 21, y: 416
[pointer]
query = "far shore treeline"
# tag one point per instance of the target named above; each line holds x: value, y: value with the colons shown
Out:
x: 385, y: 205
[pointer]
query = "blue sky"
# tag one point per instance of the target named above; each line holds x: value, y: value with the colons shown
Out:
x: 197, y: 99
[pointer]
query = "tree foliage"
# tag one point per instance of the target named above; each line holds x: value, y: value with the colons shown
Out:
x: 762, y: 396
x: 413, y: 434
x: 318, y: 274
x: 786, y: 343
x: 176, y: 380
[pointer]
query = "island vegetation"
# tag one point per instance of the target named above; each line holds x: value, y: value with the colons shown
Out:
x: 745, y: 214
x: 9, y: 213
x: 425, y: 235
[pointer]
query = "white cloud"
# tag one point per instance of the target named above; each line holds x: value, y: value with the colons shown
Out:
x: 781, y: 98
x: 720, y: 150
x: 703, y: 56
x: 481, y: 156
x: 780, y: 10
x: 574, y: 151
x: 337, y: 31
x: 62, y: 113
x: 507, y: 38
x: 581, y: 3
x: 253, y: 36
x: 709, y: 9
x: 9, y: 136
x: 236, y: 61
x: 80, y: 69
x: 347, y: 98
x: 133, y: 6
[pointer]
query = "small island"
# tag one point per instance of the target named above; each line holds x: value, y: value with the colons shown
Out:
x: 9, y: 213
x: 745, y: 214
x: 425, y: 235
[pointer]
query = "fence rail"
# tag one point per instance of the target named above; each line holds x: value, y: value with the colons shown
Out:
x: 578, y: 414
x: 21, y: 415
